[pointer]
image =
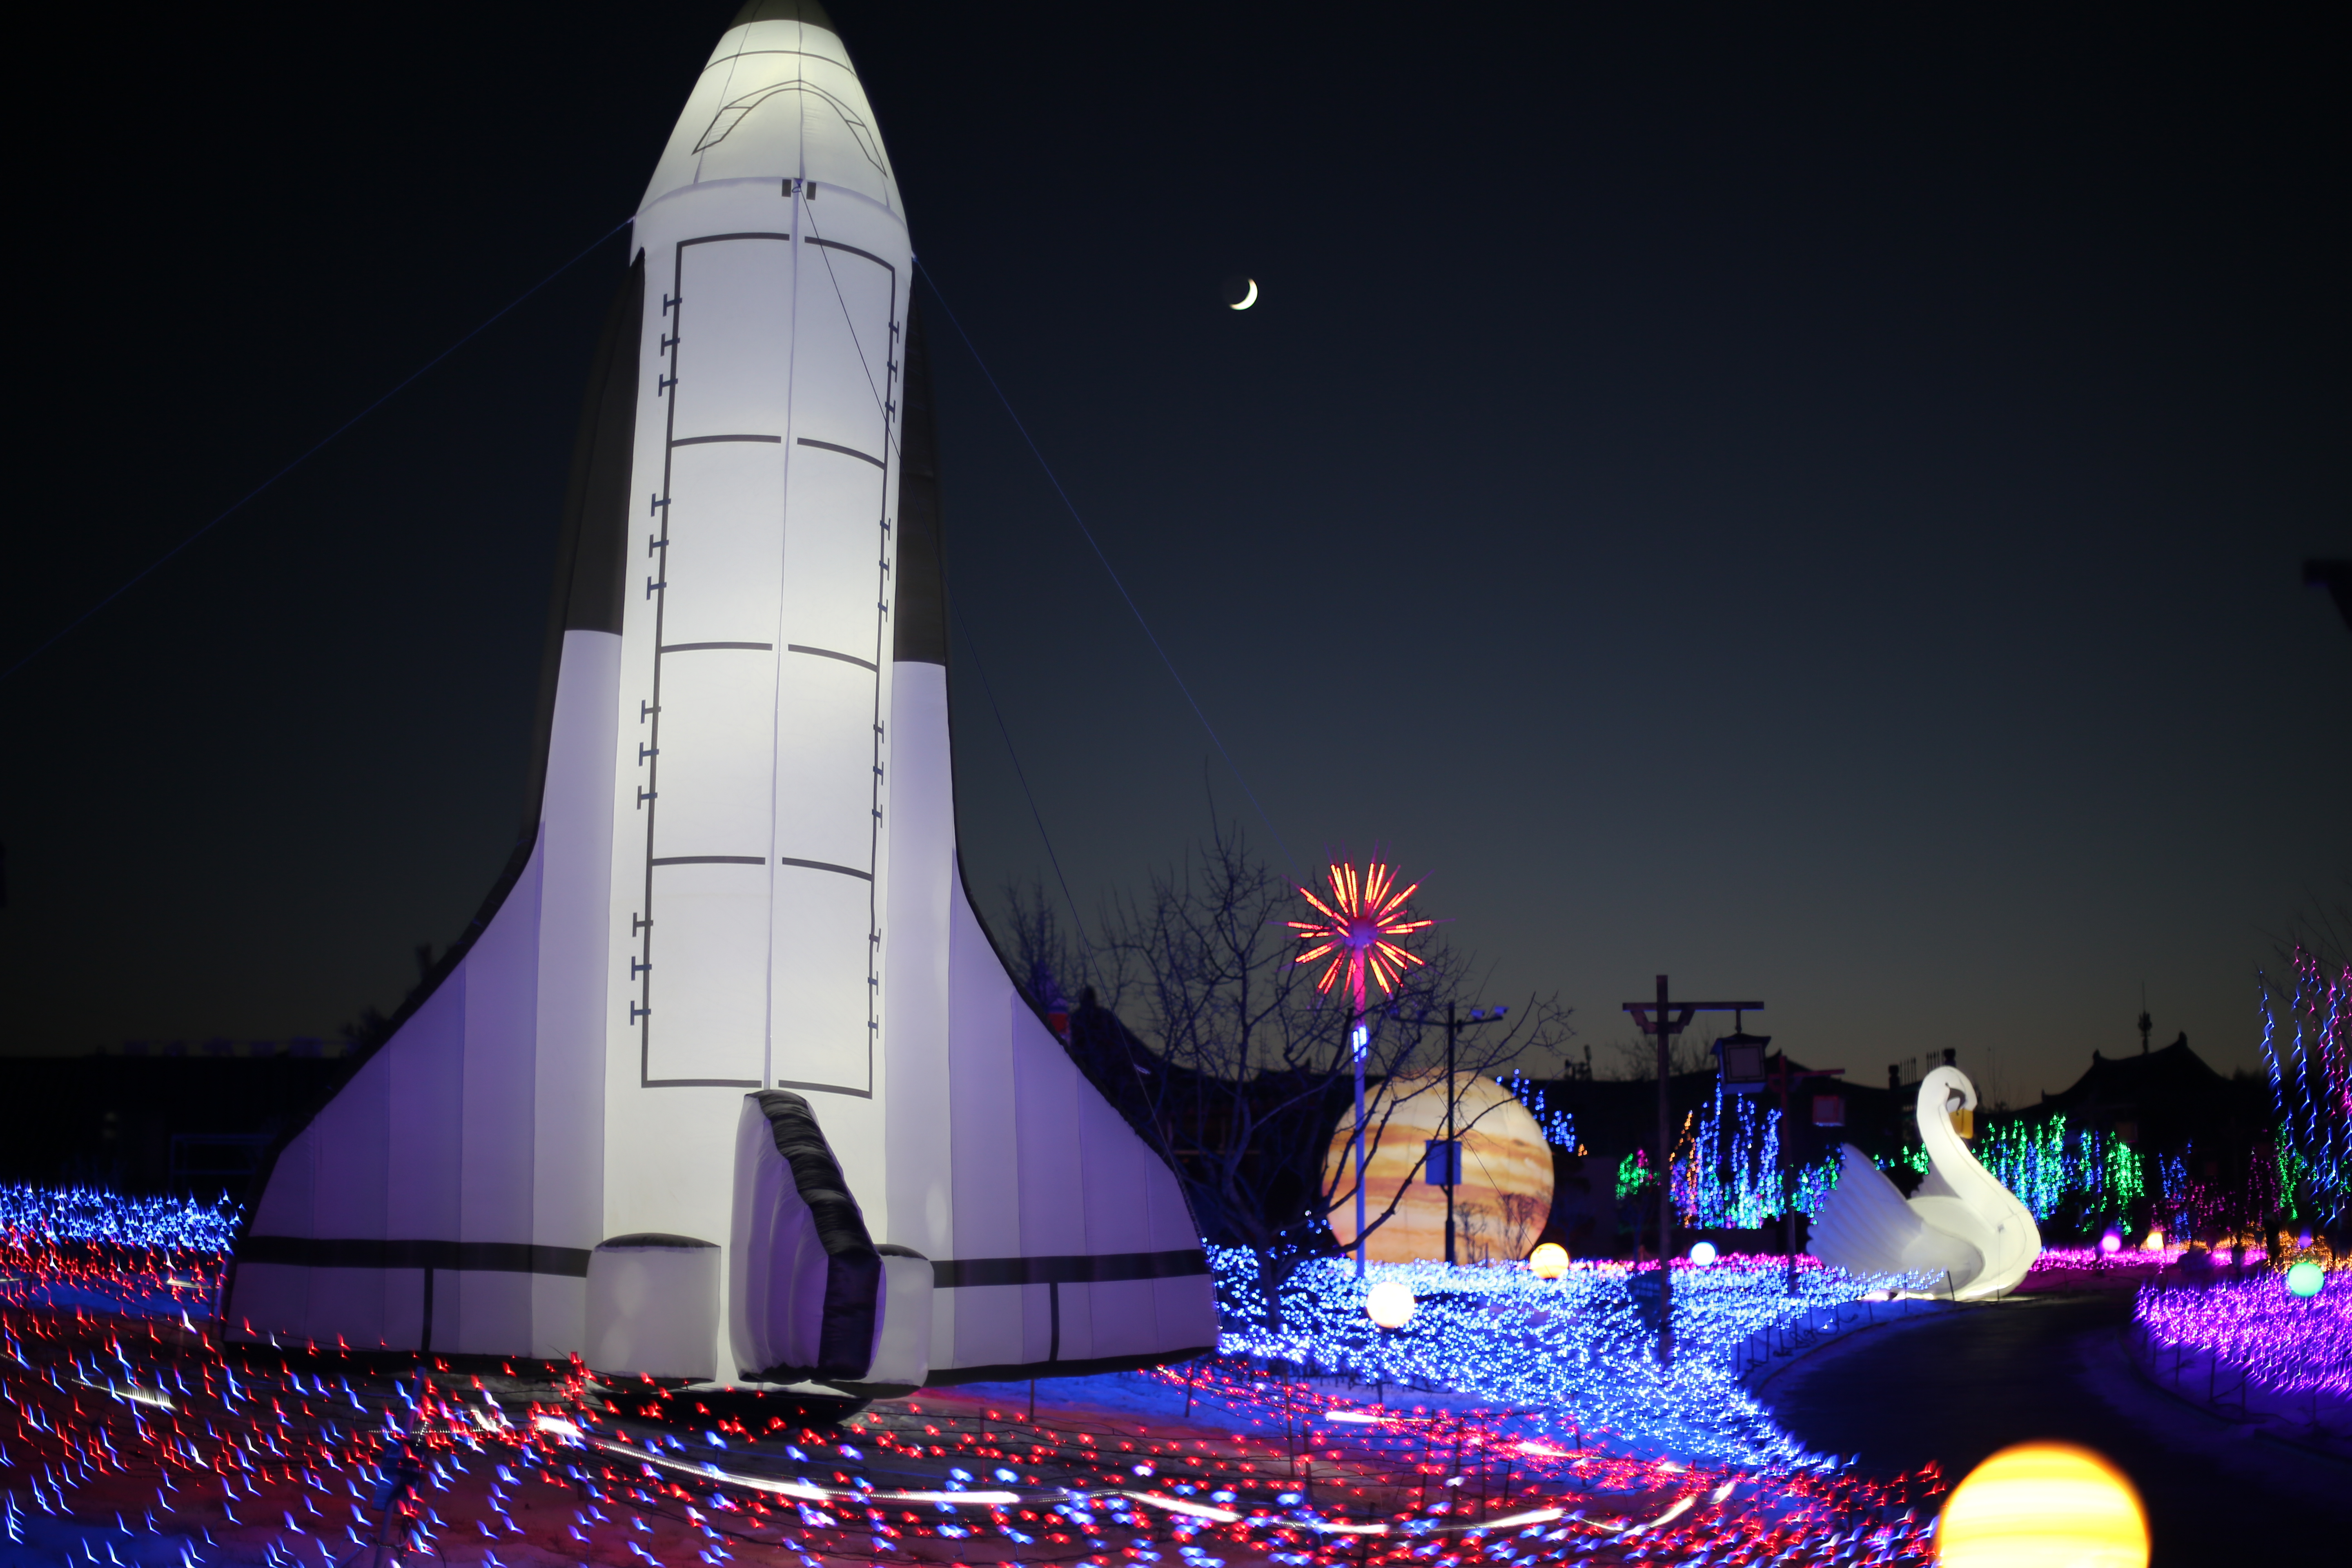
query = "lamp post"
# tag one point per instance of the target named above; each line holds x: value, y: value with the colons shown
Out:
x: 1359, y: 1038
x: 1665, y: 1018
x: 1442, y: 1158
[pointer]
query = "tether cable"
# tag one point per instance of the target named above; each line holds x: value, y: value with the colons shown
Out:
x: 1108, y: 571
x: 320, y: 445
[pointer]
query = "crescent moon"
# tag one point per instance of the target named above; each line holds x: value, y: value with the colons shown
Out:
x: 1247, y: 299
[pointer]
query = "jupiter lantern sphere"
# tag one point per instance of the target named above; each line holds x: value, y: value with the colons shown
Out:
x: 1505, y: 1195
x: 2043, y: 1505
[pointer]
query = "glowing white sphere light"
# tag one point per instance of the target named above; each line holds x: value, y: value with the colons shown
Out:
x: 1390, y: 1303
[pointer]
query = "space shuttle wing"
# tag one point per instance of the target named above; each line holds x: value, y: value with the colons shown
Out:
x: 449, y: 1192
x: 1057, y: 1235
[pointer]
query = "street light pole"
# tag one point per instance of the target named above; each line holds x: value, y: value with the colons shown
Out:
x: 1666, y: 1019
x: 1357, y: 1038
x: 1450, y: 1150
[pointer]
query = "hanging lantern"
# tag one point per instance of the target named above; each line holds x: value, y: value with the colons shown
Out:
x: 1741, y: 1057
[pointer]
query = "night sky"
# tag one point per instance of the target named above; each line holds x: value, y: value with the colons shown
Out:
x: 1813, y: 503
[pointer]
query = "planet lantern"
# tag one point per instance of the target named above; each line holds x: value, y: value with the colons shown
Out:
x: 2305, y: 1279
x: 1549, y: 1261
x: 1505, y: 1195
x: 2043, y: 1505
x: 1703, y: 1253
x: 2112, y: 1243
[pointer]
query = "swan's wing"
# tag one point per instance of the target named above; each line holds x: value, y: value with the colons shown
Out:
x: 1862, y: 1225
x: 1956, y: 1241
x: 1934, y: 1186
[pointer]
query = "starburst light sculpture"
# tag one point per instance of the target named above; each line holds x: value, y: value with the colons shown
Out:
x: 1361, y: 926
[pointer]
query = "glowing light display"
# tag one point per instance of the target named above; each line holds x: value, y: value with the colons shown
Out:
x: 2283, y: 1342
x: 2311, y: 1083
x: 1549, y: 1261
x: 2305, y: 1280
x: 1702, y: 1253
x: 2043, y: 1505
x: 1559, y: 1126
x: 1575, y: 1353
x: 39, y: 1216
x: 143, y: 1438
x: 2048, y: 1165
x: 1361, y: 927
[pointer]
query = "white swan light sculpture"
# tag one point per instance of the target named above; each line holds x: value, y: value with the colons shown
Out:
x: 1963, y: 1221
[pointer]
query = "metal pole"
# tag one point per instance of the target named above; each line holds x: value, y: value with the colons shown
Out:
x: 1450, y: 1171
x: 1788, y: 1189
x: 1665, y: 1186
x: 1356, y: 1045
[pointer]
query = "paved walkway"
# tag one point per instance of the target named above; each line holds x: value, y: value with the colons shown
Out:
x: 1959, y: 1386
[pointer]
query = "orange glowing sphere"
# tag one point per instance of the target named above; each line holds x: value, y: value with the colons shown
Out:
x: 2043, y: 1505
x: 1549, y: 1261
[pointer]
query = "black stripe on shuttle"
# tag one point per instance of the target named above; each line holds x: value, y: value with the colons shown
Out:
x: 698, y: 647
x: 837, y: 245
x: 822, y: 445
x: 1085, y: 1269
x: 361, y: 1252
x: 828, y: 653
x: 705, y: 440
x: 711, y: 860
x: 823, y: 866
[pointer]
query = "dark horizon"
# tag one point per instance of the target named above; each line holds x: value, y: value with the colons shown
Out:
x: 1813, y: 506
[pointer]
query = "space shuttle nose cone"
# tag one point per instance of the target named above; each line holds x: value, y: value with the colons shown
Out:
x: 780, y: 100
x: 807, y: 11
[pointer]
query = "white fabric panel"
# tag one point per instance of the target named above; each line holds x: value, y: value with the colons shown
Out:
x: 833, y: 546
x: 733, y: 323
x: 710, y: 995
x: 848, y: 305
x: 427, y: 1081
x: 1050, y: 1174
x: 495, y: 1144
x: 285, y: 1204
x: 567, y: 1106
x: 821, y: 1007
x: 919, y: 1192
x: 1121, y: 1320
x: 726, y: 540
x: 353, y: 1139
x: 717, y: 773
x: 1116, y: 1169
x: 824, y: 773
x: 985, y: 1144
x: 652, y: 1310
x: 902, y: 1347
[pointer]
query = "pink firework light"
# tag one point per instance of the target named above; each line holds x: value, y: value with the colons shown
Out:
x: 1360, y: 931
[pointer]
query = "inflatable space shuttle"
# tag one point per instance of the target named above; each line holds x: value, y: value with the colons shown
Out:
x: 728, y: 1082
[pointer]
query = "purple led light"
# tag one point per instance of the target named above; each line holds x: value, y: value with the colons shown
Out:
x: 2282, y: 1343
